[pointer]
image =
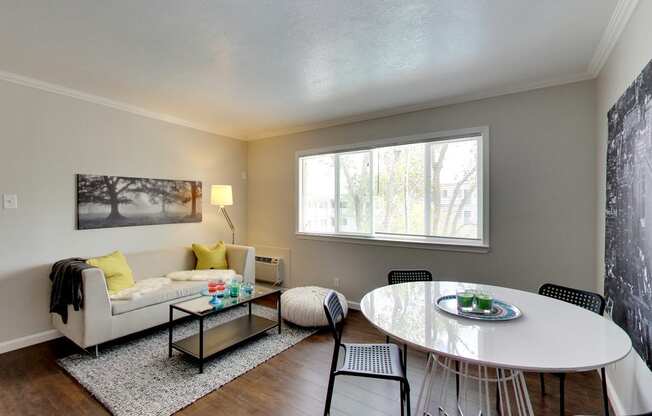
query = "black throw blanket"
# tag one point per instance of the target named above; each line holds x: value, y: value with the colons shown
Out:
x: 67, y: 289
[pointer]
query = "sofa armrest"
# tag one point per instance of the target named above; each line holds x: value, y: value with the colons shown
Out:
x: 242, y: 259
x: 91, y: 325
x: 97, y: 307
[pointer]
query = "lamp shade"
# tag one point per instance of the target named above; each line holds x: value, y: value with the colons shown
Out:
x: 221, y: 195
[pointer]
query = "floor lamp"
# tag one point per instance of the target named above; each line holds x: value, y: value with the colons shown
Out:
x: 222, y: 195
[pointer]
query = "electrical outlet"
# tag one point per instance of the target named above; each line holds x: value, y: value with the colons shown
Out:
x: 10, y: 201
x: 336, y: 281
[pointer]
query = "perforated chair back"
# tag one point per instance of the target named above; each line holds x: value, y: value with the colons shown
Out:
x: 334, y: 315
x: 404, y: 276
x: 587, y: 300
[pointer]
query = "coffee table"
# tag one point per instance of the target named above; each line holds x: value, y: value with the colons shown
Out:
x: 210, y: 342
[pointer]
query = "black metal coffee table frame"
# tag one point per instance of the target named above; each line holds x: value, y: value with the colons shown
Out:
x: 210, y: 342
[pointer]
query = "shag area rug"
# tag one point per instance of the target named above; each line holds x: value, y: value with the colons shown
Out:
x: 137, y: 377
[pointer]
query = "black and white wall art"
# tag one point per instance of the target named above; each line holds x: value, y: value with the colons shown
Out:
x: 628, y: 255
x: 117, y: 201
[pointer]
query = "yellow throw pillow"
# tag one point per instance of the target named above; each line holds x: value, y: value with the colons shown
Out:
x: 117, y: 272
x: 210, y: 257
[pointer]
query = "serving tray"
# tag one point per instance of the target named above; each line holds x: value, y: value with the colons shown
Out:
x: 501, y: 311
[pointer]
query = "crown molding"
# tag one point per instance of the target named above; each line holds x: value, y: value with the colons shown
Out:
x: 107, y: 102
x: 611, y: 34
x: 491, y: 93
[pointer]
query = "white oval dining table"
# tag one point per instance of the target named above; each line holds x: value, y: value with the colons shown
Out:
x: 550, y: 336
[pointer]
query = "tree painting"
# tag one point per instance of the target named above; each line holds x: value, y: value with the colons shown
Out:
x: 193, y: 195
x: 117, y: 201
x: 164, y: 193
x: 104, y: 190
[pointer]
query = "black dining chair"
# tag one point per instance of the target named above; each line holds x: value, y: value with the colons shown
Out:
x: 404, y: 276
x: 587, y: 300
x: 395, y: 277
x: 381, y: 361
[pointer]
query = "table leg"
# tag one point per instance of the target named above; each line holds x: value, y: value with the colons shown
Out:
x: 501, y: 390
x: 170, y: 324
x: 201, y: 345
x: 562, y: 392
x: 424, y: 384
x: 526, y: 394
x: 605, y: 397
x: 509, y: 398
x: 249, y: 308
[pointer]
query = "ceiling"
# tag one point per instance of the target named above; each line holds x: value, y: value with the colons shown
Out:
x: 251, y: 69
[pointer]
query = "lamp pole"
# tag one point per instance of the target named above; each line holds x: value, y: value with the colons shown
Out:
x: 229, y: 222
x: 222, y: 195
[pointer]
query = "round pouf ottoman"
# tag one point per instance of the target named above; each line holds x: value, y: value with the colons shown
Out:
x: 304, y: 306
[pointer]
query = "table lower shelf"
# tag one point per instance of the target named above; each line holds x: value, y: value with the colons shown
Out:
x: 225, y: 336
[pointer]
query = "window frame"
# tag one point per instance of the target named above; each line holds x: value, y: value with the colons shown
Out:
x: 403, y: 240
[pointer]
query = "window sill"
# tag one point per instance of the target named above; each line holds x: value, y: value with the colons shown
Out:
x: 465, y: 246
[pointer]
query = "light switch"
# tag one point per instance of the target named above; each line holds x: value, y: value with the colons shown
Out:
x: 10, y: 201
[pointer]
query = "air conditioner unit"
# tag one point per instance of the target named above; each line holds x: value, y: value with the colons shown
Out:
x: 268, y: 269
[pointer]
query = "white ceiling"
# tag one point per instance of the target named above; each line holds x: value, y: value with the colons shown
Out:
x: 256, y: 68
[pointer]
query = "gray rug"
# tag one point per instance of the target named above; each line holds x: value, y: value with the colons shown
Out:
x: 137, y: 377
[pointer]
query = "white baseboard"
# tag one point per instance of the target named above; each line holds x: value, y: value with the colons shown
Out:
x: 18, y: 343
x: 353, y: 305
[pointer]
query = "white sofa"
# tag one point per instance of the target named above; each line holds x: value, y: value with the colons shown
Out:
x: 102, y: 319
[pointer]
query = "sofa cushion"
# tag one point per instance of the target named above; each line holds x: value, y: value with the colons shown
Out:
x: 140, y: 288
x: 203, y: 275
x: 157, y: 263
x: 174, y: 290
x: 117, y: 272
x: 210, y: 257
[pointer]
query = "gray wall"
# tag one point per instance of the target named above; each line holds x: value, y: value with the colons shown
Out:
x: 630, y: 380
x: 45, y: 139
x: 543, y: 190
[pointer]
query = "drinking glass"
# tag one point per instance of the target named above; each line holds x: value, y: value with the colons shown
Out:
x: 247, y: 288
x: 465, y: 300
x: 220, y: 289
x: 234, y: 290
x: 212, y: 291
x: 484, y: 301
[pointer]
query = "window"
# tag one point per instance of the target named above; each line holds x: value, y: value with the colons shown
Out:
x: 468, y: 217
x: 428, y: 189
x: 318, y: 194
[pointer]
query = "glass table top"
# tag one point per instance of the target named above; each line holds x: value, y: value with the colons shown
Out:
x: 202, y: 305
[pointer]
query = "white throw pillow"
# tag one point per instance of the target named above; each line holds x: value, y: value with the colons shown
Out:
x: 202, y: 275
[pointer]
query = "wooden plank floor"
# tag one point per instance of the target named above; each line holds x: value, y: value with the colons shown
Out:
x: 292, y: 383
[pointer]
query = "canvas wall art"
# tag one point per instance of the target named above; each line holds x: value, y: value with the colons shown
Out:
x: 118, y: 201
x: 628, y: 255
